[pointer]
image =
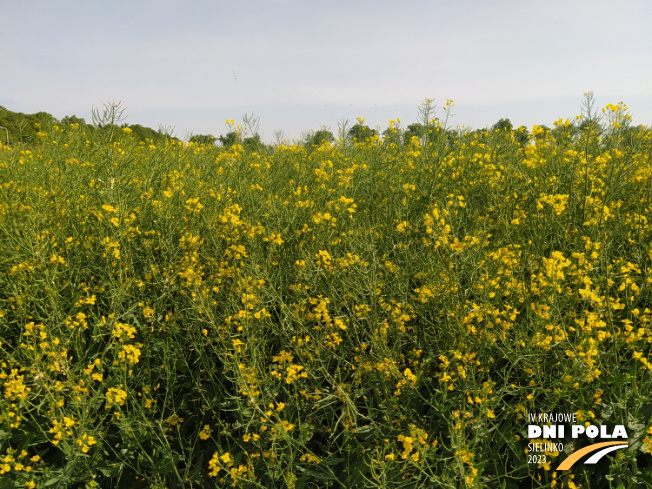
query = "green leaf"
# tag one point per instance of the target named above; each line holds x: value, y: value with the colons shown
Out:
x: 52, y: 481
x: 7, y: 484
x: 333, y: 460
x: 316, y: 475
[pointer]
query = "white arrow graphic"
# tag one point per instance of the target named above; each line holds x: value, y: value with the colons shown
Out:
x: 598, y: 455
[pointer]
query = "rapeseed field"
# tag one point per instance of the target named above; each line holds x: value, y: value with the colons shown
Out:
x: 377, y: 313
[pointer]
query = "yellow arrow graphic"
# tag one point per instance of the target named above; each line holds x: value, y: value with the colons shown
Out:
x: 568, y: 463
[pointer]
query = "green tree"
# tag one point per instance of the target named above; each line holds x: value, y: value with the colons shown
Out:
x: 22, y: 128
x: 73, y: 119
x: 543, y: 132
x: 415, y: 129
x: 502, y: 125
x: 319, y: 137
x: 45, y: 119
x: 253, y: 143
x: 393, y: 135
x: 229, y: 139
x: 522, y: 135
x: 203, y: 139
x: 143, y: 133
x: 361, y: 132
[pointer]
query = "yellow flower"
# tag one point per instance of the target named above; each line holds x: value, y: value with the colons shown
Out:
x: 130, y: 354
x: 294, y: 373
x: 308, y: 457
x: 253, y: 436
x: 205, y: 433
x: 115, y: 396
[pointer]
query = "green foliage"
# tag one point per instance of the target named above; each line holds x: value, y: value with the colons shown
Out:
x: 352, y: 315
x: 73, y: 119
x: 393, y: 134
x: 522, y: 135
x: 22, y: 128
x: 361, y: 132
x: 502, y: 125
x: 414, y: 130
x: 320, y: 137
x: 253, y: 143
x: 230, y: 138
x: 147, y: 134
x: 203, y: 139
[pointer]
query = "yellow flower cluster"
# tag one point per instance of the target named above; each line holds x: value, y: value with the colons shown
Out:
x: 287, y: 304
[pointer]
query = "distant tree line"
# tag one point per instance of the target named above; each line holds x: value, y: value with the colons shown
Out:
x: 23, y: 128
x: 18, y: 127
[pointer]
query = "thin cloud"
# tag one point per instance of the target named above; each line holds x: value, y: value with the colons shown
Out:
x: 297, y: 63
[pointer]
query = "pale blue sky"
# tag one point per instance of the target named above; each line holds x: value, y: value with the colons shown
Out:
x: 299, y: 65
